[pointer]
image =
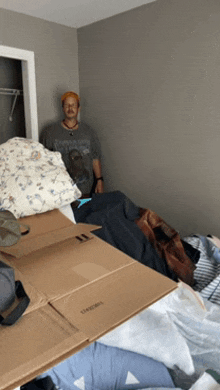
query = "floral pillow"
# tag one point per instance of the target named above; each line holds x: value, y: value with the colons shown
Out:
x: 33, y: 179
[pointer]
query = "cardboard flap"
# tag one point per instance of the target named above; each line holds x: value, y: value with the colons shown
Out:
x: 46, y: 229
x: 25, y: 247
x: 108, y: 302
x: 37, y: 342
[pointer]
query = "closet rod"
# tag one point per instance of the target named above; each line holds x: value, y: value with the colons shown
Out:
x: 10, y: 91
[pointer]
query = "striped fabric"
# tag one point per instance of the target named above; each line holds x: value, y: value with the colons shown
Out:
x: 207, y: 273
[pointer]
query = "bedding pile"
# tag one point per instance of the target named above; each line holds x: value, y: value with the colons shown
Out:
x: 33, y: 179
x: 180, y: 319
x: 169, y: 345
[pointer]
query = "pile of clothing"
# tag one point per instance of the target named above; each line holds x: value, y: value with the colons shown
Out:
x: 141, y: 234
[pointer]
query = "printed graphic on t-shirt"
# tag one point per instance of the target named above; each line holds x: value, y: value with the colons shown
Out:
x: 77, y: 169
x: 76, y: 157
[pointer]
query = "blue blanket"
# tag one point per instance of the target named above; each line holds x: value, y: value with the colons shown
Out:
x: 100, y: 367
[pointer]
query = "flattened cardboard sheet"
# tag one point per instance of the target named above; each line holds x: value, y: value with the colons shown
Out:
x: 108, y: 302
x: 38, y: 341
x: 60, y: 269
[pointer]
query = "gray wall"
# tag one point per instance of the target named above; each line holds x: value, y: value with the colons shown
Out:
x: 150, y: 85
x: 56, y: 58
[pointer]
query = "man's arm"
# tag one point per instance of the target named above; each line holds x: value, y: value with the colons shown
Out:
x: 97, y: 169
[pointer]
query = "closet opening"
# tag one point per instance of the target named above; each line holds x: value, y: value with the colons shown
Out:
x: 12, y: 117
x: 18, y: 99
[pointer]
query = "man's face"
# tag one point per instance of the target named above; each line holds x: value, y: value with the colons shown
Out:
x: 70, y: 108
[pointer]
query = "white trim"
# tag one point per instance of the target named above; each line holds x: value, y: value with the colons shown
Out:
x: 29, y: 87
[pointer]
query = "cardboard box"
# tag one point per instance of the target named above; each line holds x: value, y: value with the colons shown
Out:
x: 80, y: 288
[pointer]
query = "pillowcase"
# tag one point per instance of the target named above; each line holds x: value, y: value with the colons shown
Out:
x: 207, y: 267
x: 33, y: 179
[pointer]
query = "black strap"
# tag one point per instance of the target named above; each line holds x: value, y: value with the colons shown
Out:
x: 19, y: 309
x: 25, y: 231
x: 45, y: 383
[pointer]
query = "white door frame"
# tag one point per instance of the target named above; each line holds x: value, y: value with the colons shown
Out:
x: 29, y: 87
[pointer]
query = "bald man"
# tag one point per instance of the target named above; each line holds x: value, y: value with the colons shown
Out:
x: 78, y: 145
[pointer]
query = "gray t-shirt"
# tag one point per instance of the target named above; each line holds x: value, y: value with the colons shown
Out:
x: 78, y: 149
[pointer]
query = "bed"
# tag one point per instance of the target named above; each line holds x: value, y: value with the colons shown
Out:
x: 170, y: 344
x: 178, y: 331
x: 181, y: 331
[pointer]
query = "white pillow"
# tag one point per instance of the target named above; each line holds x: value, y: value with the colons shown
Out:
x: 33, y: 179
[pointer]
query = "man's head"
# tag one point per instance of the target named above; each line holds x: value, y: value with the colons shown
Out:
x: 71, y: 103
